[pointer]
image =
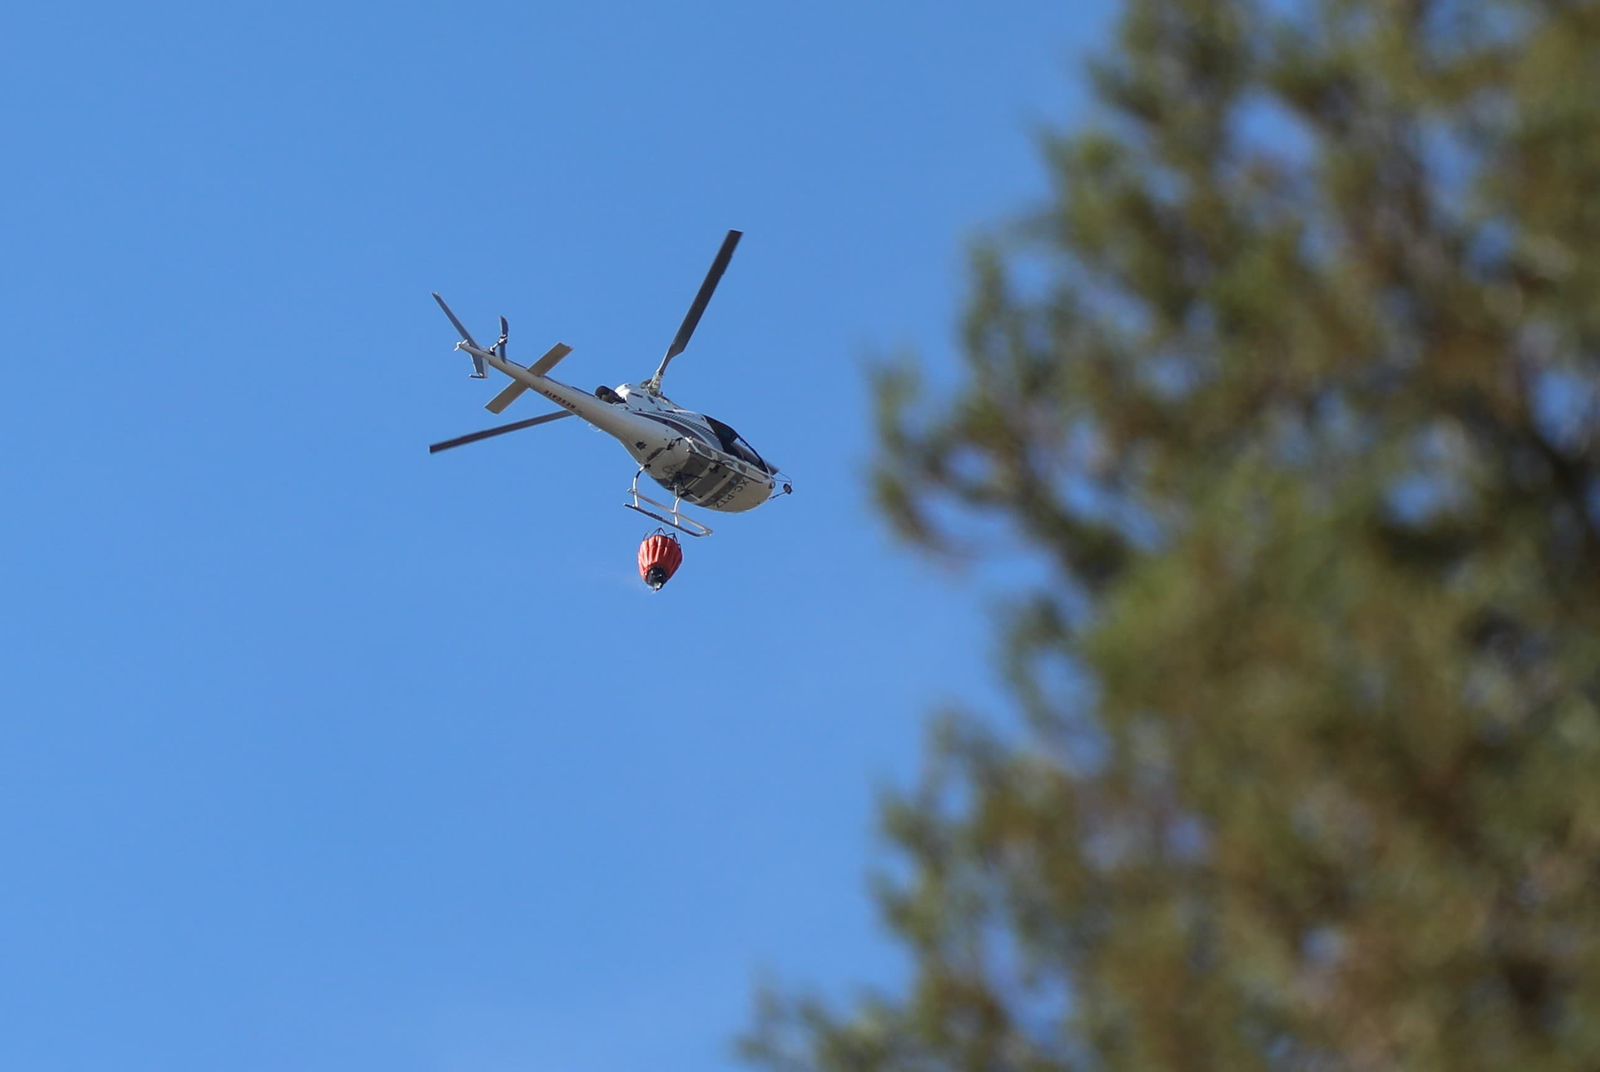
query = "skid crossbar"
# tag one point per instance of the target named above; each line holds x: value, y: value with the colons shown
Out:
x: 668, y: 515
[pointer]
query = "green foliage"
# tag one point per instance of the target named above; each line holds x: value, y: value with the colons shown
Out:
x: 1294, y: 392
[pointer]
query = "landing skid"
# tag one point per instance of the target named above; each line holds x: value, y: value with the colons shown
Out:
x: 669, y: 515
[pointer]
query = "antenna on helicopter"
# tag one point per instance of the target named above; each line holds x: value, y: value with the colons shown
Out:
x: 692, y: 319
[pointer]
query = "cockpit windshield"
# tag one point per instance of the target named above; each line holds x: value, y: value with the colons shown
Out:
x: 734, y: 444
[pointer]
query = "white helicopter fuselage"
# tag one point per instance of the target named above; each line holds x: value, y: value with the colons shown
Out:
x: 677, y: 448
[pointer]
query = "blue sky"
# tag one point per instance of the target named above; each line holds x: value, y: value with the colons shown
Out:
x: 317, y: 752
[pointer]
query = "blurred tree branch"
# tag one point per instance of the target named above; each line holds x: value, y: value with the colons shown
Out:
x: 1295, y: 387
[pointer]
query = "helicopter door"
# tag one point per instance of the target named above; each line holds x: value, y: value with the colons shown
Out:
x: 733, y: 443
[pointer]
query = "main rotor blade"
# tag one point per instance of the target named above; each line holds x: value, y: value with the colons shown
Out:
x: 460, y: 327
x: 692, y: 319
x: 488, y: 433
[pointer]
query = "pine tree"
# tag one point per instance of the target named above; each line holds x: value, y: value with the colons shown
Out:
x: 1293, y: 392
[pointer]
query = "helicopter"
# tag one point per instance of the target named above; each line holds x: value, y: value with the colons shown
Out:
x: 699, y: 459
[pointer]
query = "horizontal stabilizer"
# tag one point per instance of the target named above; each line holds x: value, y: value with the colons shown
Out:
x: 512, y: 392
x: 550, y: 360
x: 514, y: 389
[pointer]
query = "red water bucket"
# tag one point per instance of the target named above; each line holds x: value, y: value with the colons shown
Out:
x: 659, y: 558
